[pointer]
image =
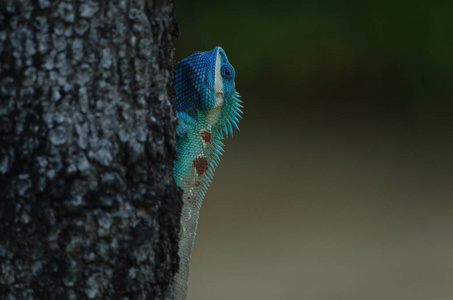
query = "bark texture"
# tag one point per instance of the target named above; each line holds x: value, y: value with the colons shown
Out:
x: 88, y: 205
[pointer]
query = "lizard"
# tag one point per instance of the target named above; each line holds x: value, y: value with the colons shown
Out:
x: 207, y: 107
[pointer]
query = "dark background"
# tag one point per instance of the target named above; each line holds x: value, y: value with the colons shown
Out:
x: 338, y: 185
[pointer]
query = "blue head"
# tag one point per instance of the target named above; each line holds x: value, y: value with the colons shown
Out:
x: 204, y: 82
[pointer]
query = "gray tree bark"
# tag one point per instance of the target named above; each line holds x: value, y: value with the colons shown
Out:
x: 88, y: 205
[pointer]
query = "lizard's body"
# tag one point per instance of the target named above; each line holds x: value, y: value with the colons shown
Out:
x: 207, y: 106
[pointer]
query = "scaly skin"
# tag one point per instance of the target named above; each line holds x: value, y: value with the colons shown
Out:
x: 208, y: 107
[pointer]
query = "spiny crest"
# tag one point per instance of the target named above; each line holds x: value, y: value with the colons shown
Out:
x: 231, y: 113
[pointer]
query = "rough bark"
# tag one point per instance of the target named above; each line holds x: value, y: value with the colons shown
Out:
x: 88, y: 205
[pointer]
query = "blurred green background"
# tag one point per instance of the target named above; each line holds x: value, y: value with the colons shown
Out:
x: 338, y: 185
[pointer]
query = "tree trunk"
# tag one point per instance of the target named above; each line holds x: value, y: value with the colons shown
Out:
x: 88, y: 205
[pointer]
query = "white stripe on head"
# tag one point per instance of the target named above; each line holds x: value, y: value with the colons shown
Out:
x: 218, y: 81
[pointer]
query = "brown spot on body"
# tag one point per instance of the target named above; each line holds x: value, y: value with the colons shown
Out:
x: 200, y: 164
x: 192, y: 200
x: 197, y: 183
x: 206, y: 136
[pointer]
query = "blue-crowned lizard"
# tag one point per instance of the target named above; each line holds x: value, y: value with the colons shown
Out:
x: 208, y: 107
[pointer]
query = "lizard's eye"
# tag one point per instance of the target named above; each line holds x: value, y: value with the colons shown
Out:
x: 227, y: 72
